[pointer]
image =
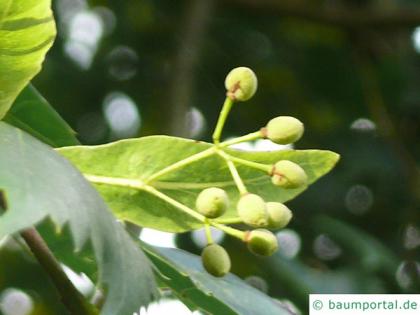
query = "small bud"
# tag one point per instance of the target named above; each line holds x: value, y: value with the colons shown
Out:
x: 252, y: 210
x: 284, y: 130
x: 278, y: 215
x: 262, y: 242
x: 212, y: 202
x: 287, y: 174
x: 215, y: 260
x: 241, y: 84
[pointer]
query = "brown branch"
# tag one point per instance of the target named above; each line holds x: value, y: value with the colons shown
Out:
x: 71, y: 298
x: 346, y: 18
x: 180, y: 95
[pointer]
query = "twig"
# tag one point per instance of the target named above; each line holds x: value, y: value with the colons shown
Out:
x: 342, y: 17
x: 71, y: 298
x: 180, y: 95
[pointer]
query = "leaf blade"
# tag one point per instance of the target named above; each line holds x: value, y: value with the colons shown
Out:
x: 139, y: 159
x: 183, y: 273
x: 27, y: 31
x: 33, y: 114
x: 38, y: 183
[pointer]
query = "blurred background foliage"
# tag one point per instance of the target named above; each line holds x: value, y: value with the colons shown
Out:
x: 349, y: 69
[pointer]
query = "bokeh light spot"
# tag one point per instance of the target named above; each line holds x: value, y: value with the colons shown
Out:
x: 199, y: 236
x: 416, y: 39
x: 196, y: 122
x: 15, y: 302
x: 408, y: 274
x: 85, y: 31
x: 325, y: 248
x: 363, y: 125
x: 359, y: 199
x: 289, y: 243
x: 262, y: 145
x: 411, y: 237
x: 158, y: 238
x: 122, y: 115
x: 91, y: 127
x: 122, y: 63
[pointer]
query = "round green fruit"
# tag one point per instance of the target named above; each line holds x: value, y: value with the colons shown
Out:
x: 289, y: 175
x: 252, y: 210
x: 212, y: 202
x: 262, y: 242
x: 216, y: 260
x: 241, y: 84
x: 278, y: 215
x: 284, y: 130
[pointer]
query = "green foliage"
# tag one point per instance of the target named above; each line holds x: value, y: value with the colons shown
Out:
x: 136, y: 160
x: 27, y: 31
x: 152, y: 182
x: 184, y: 274
x: 33, y: 114
x: 38, y: 183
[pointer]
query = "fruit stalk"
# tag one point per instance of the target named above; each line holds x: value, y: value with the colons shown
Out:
x: 227, y: 106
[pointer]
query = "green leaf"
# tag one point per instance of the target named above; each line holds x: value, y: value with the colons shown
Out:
x: 38, y: 184
x: 138, y: 159
x: 33, y: 114
x: 184, y: 274
x: 27, y: 31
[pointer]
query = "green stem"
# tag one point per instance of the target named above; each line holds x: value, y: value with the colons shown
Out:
x: 249, y: 137
x: 259, y: 166
x: 116, y: 181
x: 71, y: 298
x: 139, y: 185
x: 229, y: 221
x: 227, y: 106
x: 229, y: 230
x: 208, y: 232
x: 175, y: 203
x: 234, y: 172
x: 180, y: 164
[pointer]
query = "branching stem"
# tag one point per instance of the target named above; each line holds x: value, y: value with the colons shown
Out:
x: 180, y: 164
x: 229, y: 221
x: 229, y: 230
x: 234, y: 172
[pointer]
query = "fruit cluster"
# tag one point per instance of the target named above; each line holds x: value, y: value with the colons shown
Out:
x: 252, y: 209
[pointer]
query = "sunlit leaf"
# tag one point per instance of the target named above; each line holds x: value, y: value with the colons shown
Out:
x: 138, y: 159
x: 27, y: 31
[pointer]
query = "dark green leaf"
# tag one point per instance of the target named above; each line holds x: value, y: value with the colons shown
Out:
x: 33, y: 114
x: 38, y: 183
x: 229, y: 295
